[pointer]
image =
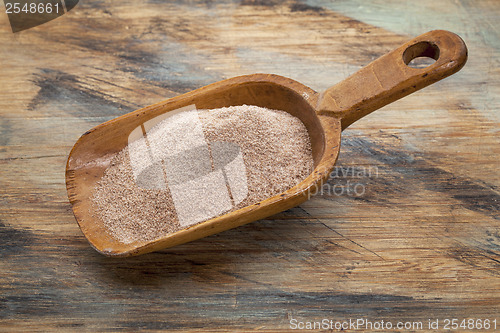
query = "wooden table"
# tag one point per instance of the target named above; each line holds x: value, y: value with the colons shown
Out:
x: 411, y: 233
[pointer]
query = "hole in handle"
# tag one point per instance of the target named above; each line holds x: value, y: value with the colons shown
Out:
x: 421, y: 55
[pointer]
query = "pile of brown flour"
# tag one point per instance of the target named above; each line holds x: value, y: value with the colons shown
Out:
x: 276, y: 154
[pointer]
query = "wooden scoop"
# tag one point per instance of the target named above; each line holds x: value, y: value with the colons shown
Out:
x: 324, y: 115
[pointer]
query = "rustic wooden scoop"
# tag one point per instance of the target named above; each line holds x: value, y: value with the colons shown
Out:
x: 325, y: 116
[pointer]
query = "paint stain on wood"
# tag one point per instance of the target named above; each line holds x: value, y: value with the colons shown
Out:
x: 14, y: 240
x: 408, y: 172
x: 68, y: 91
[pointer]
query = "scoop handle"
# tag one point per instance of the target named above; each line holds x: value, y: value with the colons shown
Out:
x: 389, y: 78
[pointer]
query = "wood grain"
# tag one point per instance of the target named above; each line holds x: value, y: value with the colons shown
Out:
x: 421, y: 242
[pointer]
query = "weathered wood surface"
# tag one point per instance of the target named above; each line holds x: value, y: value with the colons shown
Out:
x: 422, y: 242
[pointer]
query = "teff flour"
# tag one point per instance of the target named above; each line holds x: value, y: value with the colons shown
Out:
x: 197, y: 165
